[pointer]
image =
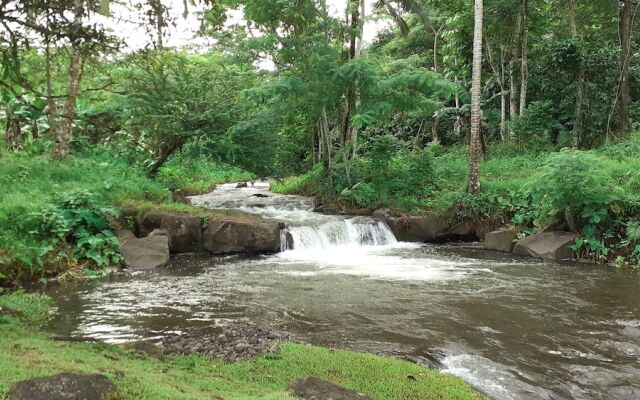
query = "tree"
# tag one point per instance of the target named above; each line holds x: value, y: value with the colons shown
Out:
x: 628, y: 9
x: 63, y: 129
x: 476, y: 87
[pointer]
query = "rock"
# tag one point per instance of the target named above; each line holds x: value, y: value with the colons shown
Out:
x: 364, y: 220
x: 287, y: 244
x: 418, y: 228
x: 317, y: 389
x: 65, y: 386
x: 548, y: 246
x: 184, y: 230
x: 502, y: 240
x: 242, y: 185
x: 123, y: 235
x: 250, y: 235
x: 461, y: 230
x: 236, y: 342
x: 432, y: 358
x: 147, y: 253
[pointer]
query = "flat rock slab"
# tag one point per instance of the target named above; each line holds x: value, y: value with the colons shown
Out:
x: 317, y: 389
x: 64, y: 387
x: 503, y: 240
x: 555, y: 246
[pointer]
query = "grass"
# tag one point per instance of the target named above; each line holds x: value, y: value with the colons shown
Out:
x: 195, y: 176
x: 27, y: 353
x: 32, y: 185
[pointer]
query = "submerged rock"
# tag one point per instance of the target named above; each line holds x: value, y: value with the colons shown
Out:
x: 65, y: 386
x: 553, y: 246
x: 318, y: 389
x: 503, y: 240
x: 146, y: 253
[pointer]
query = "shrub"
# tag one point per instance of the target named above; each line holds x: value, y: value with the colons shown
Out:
x: 575, y: 187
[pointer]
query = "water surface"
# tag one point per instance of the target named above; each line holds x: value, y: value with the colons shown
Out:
x: 513, y: 328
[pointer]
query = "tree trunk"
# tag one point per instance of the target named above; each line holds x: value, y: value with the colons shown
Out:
x: 577, y: 114
x: 347, y: 133
x: 51, y: 103
x: 436, y: 36
x: 524, y: 70
x: 63, y: 132
x: 163, y: 155
x: 476, y: 87
x: 13, y: 135
x: 624, y: 100
x: 158, y: 12
x: 325, y: 140
x: 515, y: 41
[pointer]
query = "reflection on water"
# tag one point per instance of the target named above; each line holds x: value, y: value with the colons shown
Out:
x: 515, y: 329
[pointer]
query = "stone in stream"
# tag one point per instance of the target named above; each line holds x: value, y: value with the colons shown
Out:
x: 316, y: 389
x: 418, y: 228
x: 555, y: 246
x: 67, y: 386
x: 184, y: 230
x: 503, y: 240
x: 248, y: 235
x: 146, y: 253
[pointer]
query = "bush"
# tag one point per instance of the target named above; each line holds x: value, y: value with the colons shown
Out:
x: 53, y: 213
x: 577, y: 187
x: 198, y: 175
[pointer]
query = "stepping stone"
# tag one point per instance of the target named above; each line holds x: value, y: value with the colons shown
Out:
x: 67, y: 386
x: 317, y: 389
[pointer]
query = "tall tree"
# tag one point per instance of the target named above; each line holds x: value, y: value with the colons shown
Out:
x: 476, y: 112
x: 524, y: 65
x: 63, y: 129
x: 627, y: 13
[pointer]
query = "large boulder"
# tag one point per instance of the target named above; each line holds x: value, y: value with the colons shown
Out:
x: 421, y: 228
x: 65, y: 386
x: 503, y: 240
x: 146, y: 253
x: 248, y: 235
x: 184, y: 230
x: 548, y: 246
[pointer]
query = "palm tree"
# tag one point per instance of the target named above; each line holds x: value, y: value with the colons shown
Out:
x: 476, y: 87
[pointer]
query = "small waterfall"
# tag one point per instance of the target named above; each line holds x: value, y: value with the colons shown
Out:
x: 337, y: 232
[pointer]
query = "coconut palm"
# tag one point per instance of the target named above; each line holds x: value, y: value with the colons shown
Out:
x: 476, y: 87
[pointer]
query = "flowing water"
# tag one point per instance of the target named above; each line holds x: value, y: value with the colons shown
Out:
x: 513, y: 328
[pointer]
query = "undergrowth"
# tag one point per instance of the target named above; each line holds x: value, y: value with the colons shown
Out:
x: 594, y: 193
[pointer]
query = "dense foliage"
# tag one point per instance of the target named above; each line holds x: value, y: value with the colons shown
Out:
x: 292, y: 90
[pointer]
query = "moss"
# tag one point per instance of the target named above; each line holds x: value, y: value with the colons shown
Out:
x: 27, y: 353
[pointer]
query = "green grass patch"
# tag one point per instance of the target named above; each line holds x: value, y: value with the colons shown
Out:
x: 195, y: 176
x: 26, y: 354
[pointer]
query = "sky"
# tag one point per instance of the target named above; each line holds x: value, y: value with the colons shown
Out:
x: 183, y: 33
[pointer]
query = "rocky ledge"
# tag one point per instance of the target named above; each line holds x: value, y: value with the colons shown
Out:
x: 164, y: 232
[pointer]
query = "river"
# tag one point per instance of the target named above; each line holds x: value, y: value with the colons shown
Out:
x: 513, y: 328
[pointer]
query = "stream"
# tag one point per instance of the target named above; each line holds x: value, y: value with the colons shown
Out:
x: 513, y: 328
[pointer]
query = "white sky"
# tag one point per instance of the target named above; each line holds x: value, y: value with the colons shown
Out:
x: 183, y: 34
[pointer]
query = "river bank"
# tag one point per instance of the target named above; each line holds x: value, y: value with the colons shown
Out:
x: 26, y: 352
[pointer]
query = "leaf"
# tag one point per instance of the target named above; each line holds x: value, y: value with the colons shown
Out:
x: 104, y: 8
